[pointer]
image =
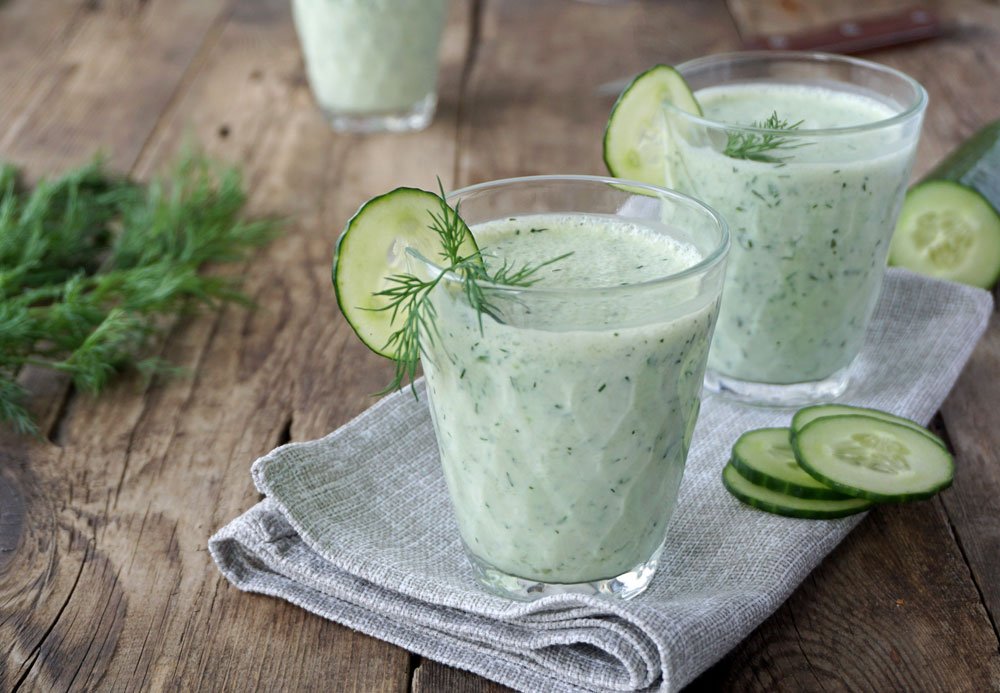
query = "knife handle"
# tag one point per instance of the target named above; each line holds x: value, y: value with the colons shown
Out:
x: 855, y: 36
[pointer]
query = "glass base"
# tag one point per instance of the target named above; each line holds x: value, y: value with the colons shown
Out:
x: 770, y: 395
x: 418, y: 117
x: 625, y: 586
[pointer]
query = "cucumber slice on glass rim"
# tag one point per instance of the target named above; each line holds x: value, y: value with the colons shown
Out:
x: 873, y: 459
x: 819, y: 411
x: 948, y: 231
x: 764, y: 456
x: 634, y: 139
x: 372, y: 247
x: 779, y: 503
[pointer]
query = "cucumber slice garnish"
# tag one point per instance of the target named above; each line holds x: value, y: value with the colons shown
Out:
x: 949, y: 231
x: 873, y: 459
x: 818, y: 411
x: 373, y: 247
x: 764, y: 456
x: 783, y: 504
x: 634, y: 139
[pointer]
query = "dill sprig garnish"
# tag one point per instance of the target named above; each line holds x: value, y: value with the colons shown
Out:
x: 756, y: 146
x: 94, y: 266
x: 410, y: 295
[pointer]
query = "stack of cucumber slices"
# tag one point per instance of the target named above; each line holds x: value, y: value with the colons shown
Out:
x: 837, y: 460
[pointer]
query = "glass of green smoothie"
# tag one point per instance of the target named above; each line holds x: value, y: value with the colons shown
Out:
x: 565, y: 409
x: 807, y: 157
x: 372, y: 64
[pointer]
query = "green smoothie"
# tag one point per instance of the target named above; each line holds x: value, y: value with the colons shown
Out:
x: 370, y: 56
x: 810, y: 227
x: 563, y: 424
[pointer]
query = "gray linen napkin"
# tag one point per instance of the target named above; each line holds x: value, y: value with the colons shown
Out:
x: 357, y: 528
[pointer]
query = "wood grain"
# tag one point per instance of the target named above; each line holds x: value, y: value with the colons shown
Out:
x: 120, y: 65
x: 521, y: 120
x: 891, y: 608
x: 33, y: 36
x: 973, y: 503
x: 121, y: 513
x: 432, y: 677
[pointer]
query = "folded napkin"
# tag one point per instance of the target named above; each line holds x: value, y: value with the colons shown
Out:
x: 357, y: 528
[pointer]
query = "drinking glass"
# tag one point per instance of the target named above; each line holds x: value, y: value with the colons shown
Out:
x: 564, y: 415
x: 372, y: 64
x: 811, y: 209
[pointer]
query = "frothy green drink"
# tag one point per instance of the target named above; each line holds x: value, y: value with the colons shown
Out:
x: 811, y: 210
x: 372, y: 64
x: 564, y: 422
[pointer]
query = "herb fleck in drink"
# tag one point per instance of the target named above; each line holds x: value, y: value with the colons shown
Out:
x: 564, y: 449
x: 807, y: 157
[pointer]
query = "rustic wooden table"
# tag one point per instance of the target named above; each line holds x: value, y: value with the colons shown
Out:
x: 105, y: 581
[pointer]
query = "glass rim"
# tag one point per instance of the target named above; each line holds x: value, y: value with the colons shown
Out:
x: 914, y: 109
x: 703, y: 266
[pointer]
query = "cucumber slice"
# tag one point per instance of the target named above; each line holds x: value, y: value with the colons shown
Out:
x: 818, y: 411
x: 791, y: 506
x: 634, y: 142
x: 372, y: 247
x: 949, y: 231
x: 764, y: 456
x: 873, y: 459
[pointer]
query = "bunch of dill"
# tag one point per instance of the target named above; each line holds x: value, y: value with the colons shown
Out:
x: 93, y: 266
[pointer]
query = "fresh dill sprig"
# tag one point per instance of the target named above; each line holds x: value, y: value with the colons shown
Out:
x: 756, y: 146
x: 409, y: 296
x: 93, y: 266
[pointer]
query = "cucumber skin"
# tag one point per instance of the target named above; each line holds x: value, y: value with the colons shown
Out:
x: 346, y: 310
x: 974, y: 165
x: 787, y: 512
x: 761, y: 479
x: 859, y: 493
x: 605, y: 143
x: 865, y: 411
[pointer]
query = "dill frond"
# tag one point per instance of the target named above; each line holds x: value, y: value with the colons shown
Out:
x: 409, y: 295
x: 93, y: 267
x: 759, y: 146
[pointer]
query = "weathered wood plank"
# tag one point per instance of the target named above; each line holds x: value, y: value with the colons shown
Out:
x: 972, y: 418
x: 891, y: 608
x: 44, y: 564
x: 958, y: 107
x: 117, y: 72
x: 49, y: 47
x: 155, y: 471
x: 970, y: 414
x: 33, y: 36
x: 431, y: 677
x: 532, y: 104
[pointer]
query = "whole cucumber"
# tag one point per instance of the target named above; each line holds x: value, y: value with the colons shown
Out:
x: 975, y: 164
x: 949, y: 225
